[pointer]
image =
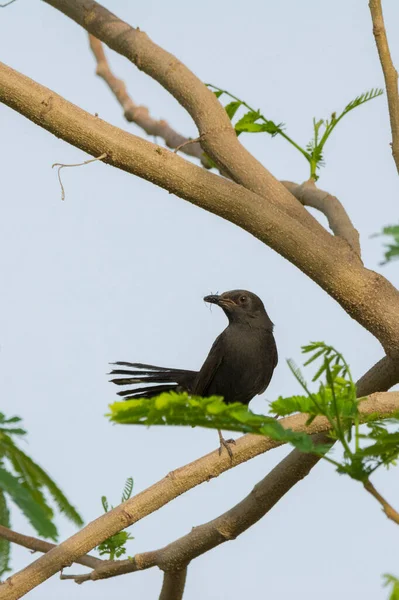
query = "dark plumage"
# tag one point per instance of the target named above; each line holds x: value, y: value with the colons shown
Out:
x: 239, y: 365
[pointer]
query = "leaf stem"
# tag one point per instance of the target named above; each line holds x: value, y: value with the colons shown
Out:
x: 338, y: 427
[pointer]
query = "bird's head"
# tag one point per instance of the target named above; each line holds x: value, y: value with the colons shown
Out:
x: 241, y: 306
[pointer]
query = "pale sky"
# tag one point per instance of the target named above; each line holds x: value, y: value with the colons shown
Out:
x: 119, y: 269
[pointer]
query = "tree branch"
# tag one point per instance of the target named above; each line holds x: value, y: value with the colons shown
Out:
x: 37, y: 545
x: 292, y: 469
x: 390, y: 73
x: 309, y: 194
x: 366, y: 296
x: 224, y: 528
x: 218, y: 137
x: 173, y: 585
x: 380, y: 378
x: 140, y: 115
x: 173, y: 485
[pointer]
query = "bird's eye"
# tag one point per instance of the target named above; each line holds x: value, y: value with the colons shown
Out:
x: 243, y: 299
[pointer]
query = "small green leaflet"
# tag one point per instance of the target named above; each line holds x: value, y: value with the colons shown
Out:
x: 393, y: 583
x: 232, y: 108
x: 391, y: 249
x: 115, y: 546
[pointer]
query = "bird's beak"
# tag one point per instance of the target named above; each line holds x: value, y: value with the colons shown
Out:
x: 219, y: 300
x: 212, y: 299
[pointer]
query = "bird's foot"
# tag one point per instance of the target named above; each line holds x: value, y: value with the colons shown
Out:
x: 226, y: 444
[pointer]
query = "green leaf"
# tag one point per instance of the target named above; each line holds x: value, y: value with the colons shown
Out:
x: 268, y: 127
x: 24, y: 500
x: 392, y: 249
x: 36, y: 478
x: 362, y: 99
x: 127, y: 490
x: 317, y: 143
x: 4, y: 544
x: 232, y: 108
x: 114, y: 546
x: 29, y: 481
x: 5, y: 425
x: 105, y: 504
x: 296, y: 371
x: 287, y: 406
x: 393, y: 582
x: 249, y: 117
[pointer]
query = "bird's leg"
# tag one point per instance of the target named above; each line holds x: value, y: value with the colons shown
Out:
x: 225, y: 444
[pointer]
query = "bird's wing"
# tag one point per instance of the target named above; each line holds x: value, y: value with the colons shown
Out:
x: 273, y: 360
x: 209, y: 368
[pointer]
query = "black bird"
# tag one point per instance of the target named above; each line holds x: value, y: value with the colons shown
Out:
x: 239, y: 365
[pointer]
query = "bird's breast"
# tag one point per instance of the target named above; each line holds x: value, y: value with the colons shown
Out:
x: 249, y: 358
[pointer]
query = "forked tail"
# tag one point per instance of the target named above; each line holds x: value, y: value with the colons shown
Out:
x: 162, y: 379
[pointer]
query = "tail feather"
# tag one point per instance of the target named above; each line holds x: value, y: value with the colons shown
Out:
x: 140, y: 373
x: 141, y: 366
x: 148, y: 376
x: 147, y: 392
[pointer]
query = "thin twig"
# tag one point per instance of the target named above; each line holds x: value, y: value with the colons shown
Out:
x: 340, y: 224
x: 390, y: 73
x: 62, y: 166
x: 37, y: 545
x: 390, y: 512
x: 6, y: 4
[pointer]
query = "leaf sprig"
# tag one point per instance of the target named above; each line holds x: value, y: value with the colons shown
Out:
x: 393, y: 583
x: 253, y: 121
x: 115, y: 546
x: 26, y: 484
x: 171, y: 408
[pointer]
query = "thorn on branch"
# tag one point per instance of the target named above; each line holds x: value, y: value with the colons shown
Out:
x: 62, y: 166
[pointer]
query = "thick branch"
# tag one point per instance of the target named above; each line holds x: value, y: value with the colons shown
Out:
x: 173, y: 585
x: 174, y: 484
x: 390, y: 74
x: 381, y: 377
x: 218, y: 137
x: 140, y: 115
x: 309, y: 194
x: 366, y: 296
